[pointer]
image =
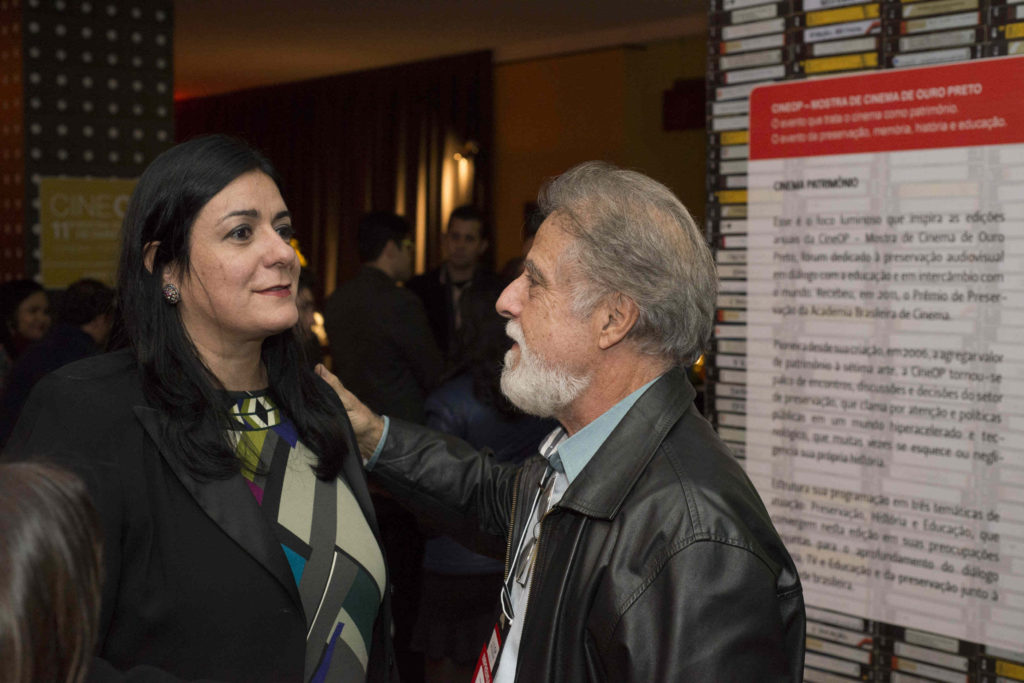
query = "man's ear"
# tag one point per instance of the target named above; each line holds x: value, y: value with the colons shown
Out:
x: 482, y: 248
x: 149, y: 254
x: 617, y: 314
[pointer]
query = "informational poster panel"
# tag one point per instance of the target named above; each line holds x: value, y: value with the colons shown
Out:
x: 80, y: 227
x: 885, y: 341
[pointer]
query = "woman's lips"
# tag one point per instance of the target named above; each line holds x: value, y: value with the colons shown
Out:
x: 279, y: 291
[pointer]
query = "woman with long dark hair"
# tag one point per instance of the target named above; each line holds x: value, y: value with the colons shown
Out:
x: 242, y: 544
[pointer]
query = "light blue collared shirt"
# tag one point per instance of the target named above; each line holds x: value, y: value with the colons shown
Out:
x: 576, y: 451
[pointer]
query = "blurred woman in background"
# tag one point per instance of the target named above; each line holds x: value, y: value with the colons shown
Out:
x: 24, y: 319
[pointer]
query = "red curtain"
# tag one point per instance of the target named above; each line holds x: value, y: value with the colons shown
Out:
x: 347, y: 144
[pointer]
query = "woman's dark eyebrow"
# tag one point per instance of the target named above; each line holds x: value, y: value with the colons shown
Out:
x: 248, y: 213
x: 253, y: 213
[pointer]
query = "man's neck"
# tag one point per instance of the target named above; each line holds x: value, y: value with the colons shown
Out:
x: 610, y: 383
x: 382, y: 267
x: 460, y: 274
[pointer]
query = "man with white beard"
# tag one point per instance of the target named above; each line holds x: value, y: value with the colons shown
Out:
x: 638, y: 550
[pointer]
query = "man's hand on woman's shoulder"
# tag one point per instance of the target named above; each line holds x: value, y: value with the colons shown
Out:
x: 367, y: 425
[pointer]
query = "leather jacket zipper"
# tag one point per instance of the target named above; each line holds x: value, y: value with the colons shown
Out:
x: 512, y: 522
x: 535, y: 558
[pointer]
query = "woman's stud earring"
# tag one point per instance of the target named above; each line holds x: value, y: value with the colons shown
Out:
x: 171, y: 294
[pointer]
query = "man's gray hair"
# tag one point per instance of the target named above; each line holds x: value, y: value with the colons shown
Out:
x: 635, y: 238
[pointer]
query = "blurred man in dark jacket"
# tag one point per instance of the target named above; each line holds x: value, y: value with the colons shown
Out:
x: 441, y: 289
x: 380, y: 340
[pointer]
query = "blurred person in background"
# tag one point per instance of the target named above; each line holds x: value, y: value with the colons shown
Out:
x: 306, y: 301
x: 379, y: 335
x: 465, y: 242
x: 24, y: 319
x: 85, y: 313
x: 50, y: 575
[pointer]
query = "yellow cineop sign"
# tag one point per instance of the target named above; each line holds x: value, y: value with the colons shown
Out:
x: 80, y: 227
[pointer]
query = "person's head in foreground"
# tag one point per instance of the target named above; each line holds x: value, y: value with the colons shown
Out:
x: 50, y: 575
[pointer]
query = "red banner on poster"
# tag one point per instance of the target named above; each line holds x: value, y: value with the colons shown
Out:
x: 966, y: 104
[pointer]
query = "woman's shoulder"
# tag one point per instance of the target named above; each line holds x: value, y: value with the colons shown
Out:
x: 104, y: 366
x: 102, y: 379
x: 79, y: 405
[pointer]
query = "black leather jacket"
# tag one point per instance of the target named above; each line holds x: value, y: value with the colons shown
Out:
x: 659, y: 563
